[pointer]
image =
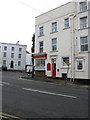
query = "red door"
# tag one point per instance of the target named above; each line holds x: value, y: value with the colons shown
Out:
x: 53, y: 70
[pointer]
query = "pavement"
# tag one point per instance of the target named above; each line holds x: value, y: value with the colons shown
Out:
x: 80, y: 83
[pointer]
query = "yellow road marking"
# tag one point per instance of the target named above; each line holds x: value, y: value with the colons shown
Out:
x: 10, y: 117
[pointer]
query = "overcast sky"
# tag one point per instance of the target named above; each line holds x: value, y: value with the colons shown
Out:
x: 17, y: 18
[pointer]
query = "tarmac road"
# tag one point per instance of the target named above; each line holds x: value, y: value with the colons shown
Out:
x: 36, y: 99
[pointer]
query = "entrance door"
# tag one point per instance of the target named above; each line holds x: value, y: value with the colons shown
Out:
x: 53, y: 68
x: 12, y: 64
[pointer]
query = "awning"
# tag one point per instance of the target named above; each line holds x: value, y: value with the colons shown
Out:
x: 40, y: 55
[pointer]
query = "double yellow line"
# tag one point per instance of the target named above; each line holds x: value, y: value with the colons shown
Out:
x: 9, y: 117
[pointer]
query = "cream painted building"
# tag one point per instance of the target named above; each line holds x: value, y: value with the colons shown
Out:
x: 62, y: 41
x: 13, y: 56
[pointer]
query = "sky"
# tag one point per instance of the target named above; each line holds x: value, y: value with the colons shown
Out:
x: 17, y: 19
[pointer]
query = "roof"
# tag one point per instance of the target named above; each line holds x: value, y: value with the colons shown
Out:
x: 13, y: 44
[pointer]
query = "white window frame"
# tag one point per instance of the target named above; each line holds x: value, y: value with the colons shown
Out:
x: 64, y: 63
x: 40, y: 67
x: 65, y: 25
x: 82, y: 60
x: 4, y: 54
x: 19, y: 56
x: 56, y: 44
x: 84, y: 44
x: 19, y: 63
x: 5, y: 48
x: 12, y: 55
x: 12, y: 48
x: 20, y: 49
x: 85, y: 24
x: 54, y: 27
x: 83, y: 10
x: 4, y: 63
x: 41, y: 31
x: 41, y: 47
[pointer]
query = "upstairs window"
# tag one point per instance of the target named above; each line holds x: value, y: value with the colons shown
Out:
x: 12, y: 55
x: 41, y: 31
x: 5, y: 47
x: 4, y: 54
x: 83, y: 22
x: 20, y: 49
x: 83, y: 6
x: 41, y: 47
x: 19, y: 55
x: 66, y: 23
x: 12, y: 48
x: 54, y: 27
x: 54, y: 44
x: 84, y: 43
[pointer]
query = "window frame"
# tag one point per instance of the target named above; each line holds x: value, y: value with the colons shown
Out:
x: 19, y: 63
x: 84, y: 44
x: 5, y: 48
x: 39, y: 65
x: 54, y: 27
x: 68, y: 23
x: 78, y: 60
x: 63, y: 63
x: 4, y: 65
x: 54, y: 44
x: 12, y: 55
x: 41, y: 31
x: 83, y: 25
x: 20, y: 49
x: 81, y: 8
x: 19, y: 56
x: 4, y: 54
x: 41, y: 47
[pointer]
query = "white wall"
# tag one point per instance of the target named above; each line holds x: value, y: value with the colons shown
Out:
x: 15, y: 59
x: 28, y: 59
x: 67, y: 38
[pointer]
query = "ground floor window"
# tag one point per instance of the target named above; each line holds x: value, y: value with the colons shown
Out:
x: 65, y: 61
x: 4, y: 63
x: 19, y: 63
x: 79, y: 64
x: 40, y: 64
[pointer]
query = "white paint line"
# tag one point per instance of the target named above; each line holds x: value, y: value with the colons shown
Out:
x: 49, y: 93
x: 6, y: 83
x: 1, y: 84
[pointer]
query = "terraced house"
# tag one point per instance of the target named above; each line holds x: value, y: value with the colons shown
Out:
x: 62, y: 42
x: 13, y: 56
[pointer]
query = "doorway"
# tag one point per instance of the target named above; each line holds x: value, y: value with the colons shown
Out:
x: 54, y: 68
x: 12, y: 64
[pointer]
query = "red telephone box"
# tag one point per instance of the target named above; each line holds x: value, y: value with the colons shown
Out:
x: 53, y: 70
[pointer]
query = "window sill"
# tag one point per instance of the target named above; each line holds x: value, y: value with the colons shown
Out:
x: 81, y: 52
x: 83, y: 11
x: 83, y: 28
x: 40, y: 35
x: 54, y: 51
x: 65, y: 67
x: 53, y: 32
x: 80, y: 71
x: 66, y: 28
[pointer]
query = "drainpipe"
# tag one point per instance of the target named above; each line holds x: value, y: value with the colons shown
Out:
x: 72, y: 48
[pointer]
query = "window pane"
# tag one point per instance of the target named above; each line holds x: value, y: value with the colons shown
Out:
x: 83, y: 6
x: 54, y: 27
x: 84, y: 43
